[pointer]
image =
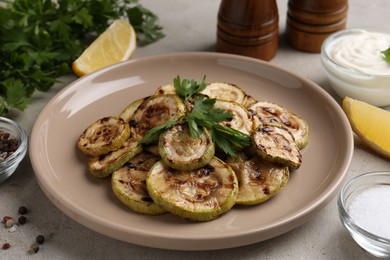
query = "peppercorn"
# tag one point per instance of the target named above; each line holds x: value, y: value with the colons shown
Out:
x: 40, y: 239
x: 5, y: 246
x: 7, y: 146
x: 22, y: 210
x: 22, y: 220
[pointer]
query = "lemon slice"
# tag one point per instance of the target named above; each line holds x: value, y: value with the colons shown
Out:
x: 115, y: 44
x: 370, y: 123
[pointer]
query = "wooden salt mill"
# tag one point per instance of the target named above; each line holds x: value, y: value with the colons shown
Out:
x: 248, y: 27
x: 310, y: 22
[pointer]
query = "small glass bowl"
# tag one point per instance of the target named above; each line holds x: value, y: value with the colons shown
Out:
x: 349, y: 204
x: 9, y: 164
x: 371, y: 88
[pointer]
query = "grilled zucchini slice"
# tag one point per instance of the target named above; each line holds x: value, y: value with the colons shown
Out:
x: 104, y: 165
x: 276, y: 144
x: 267, y: 112
x: 128, y: 113
x: 105, y: 135
x: 152, y: 148
x: 129, y: 184
x: 258, y: 180
x: 224, y: 91
x: 181, y: 151
x: 155, y: 111
x: 199, y: 195
x: 241, y: 121
x: 165, y: 89
x: 248, y: 101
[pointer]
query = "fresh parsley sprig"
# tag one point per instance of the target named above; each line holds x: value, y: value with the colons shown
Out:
x: 40, y: 39
x: 386, y: 55
x: 203, y: 115
x: 186, y: 88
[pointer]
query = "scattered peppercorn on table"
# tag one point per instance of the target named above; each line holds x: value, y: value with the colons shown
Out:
x: 32, y: 224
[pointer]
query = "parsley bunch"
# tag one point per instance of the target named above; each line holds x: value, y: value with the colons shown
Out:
x: 203, y: 115
x: 39, y: 40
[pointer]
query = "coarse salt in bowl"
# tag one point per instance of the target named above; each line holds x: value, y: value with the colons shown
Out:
x: 353, y: 62
x: 364, y: 209
x: 10, y: 161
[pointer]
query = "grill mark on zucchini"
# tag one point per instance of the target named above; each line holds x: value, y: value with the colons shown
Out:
x: 104, y: 135
x: 129, y: 184
x: 267, y: 112
x: 181, y: 151
x: 106, y: 164
x: 154, y: 111
x: 276, y: 144
x: 242, y: 120
x: 259, y: 180
x: 201, y: 195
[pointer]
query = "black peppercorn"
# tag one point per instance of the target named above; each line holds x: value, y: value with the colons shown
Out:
x: 40, y: 239
x: 22, y: 210
x: 22, y: 220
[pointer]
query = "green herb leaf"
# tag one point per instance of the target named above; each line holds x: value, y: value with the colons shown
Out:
x: 202, y: 104
x: 217, y: 115
x: 233, y: 137
x: 204, y: 112
x: 15, y: 93
x: 195, y: 131
x: 155, y: 132
x: 145, y: 24
x: 386, y: 55
x: 222, y: 141
x: 186, y: 88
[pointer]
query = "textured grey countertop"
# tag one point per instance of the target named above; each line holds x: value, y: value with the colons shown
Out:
x: 189, y: 26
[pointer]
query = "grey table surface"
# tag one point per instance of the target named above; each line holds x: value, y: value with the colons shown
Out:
x: 189, y: 26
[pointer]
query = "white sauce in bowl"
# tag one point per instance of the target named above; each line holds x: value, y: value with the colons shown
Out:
x: 361, y: 52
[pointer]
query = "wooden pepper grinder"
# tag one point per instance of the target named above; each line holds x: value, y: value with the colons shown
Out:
x: 248, y: 27
x: 309, y: 22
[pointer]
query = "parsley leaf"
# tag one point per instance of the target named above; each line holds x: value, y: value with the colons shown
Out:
x: 228, y: 138
x: 186, y: 88
x: 145, y: 23
x: 155, y: 132
x: 386, y: 55
x: 16, y: 93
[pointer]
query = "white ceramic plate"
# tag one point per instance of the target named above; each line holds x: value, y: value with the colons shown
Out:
x: 62, y: 172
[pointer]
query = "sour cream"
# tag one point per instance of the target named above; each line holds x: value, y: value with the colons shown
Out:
x: 361, y: 51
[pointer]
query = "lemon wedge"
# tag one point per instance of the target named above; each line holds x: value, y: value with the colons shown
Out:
x: 115, y: 44
x: 370, y: 123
